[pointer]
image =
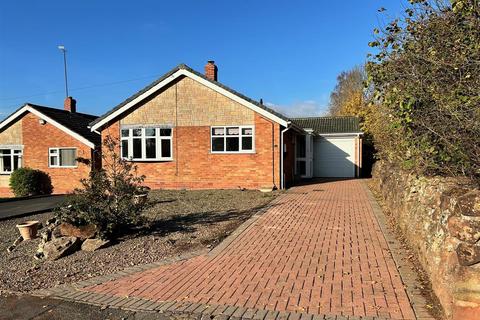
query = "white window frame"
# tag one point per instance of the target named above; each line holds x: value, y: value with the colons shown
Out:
x: 158, y: 143
x: 58, y: 157
x: 12, y: 155
x: 239, y: 136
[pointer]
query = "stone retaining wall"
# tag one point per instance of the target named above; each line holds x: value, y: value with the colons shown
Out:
x: 440, y: 218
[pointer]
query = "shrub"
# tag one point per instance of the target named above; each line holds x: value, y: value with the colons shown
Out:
x: 30, y: 182
x: 106, y: 198
x: 426, y: 76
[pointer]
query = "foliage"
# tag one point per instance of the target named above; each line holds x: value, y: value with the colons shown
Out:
x: 349, y: 92
x: 30, y: 182
x: 426, y: 77
x: 107, y: 198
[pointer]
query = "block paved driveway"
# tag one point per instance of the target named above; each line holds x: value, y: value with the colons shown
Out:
x: 318, y: 249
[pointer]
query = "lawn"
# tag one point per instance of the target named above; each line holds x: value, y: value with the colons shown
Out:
x: 178, y: 222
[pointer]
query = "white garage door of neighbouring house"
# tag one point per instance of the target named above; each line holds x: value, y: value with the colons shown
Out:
x: 334, y: 157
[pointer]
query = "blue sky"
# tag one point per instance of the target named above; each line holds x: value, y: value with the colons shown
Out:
x: 286, y: 52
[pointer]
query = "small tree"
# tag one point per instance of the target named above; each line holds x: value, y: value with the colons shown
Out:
x: 349, y: 95
x: 106, y: 198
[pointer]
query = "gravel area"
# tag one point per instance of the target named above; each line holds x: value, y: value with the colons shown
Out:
x: 180, y: 222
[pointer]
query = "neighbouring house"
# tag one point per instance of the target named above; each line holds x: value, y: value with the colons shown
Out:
x: 55, y: 141
x: 187, y: 130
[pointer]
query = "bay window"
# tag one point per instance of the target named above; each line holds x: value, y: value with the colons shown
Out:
x: 10, y: 159
x: 146, y: 144
x: 232, y: 139
x: 62, y: 157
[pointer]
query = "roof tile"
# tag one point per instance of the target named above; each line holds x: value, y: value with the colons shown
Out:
x: 325, y: 125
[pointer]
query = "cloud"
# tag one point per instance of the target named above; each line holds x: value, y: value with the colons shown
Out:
x: 308, y: 108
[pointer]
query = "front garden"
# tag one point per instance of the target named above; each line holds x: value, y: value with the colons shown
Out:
x: 112, y: 223
x: 177, y: 222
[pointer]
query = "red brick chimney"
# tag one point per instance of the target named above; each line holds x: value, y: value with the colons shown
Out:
x: 211, y: 70
x: 70, y: 104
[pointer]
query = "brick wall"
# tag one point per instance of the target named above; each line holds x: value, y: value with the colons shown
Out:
x: 194, y: 167
x: 38, y: 138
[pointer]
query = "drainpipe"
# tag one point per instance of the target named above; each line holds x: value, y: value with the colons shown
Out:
x: 282, y: 175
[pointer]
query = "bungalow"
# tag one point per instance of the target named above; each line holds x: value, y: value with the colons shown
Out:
x: 187, y: 130
x: 51, y: 140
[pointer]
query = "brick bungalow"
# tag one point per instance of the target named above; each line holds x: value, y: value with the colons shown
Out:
x: 187, y: 130
x: 48, y: 139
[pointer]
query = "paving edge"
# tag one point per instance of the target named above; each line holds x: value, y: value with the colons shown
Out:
x: 116, y: 275
x: 404, y: 266
x: 185, y: 308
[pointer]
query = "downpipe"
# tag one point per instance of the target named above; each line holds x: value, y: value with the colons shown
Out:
x: 282, y: 174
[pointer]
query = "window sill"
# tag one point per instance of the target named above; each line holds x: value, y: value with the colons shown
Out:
x: 63, y: 167
x: 149, y: 160
x: 232, y: 152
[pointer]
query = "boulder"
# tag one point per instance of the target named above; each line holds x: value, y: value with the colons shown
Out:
x: 94, y: 244
x: 60, y: 247
x: 468, y: 255
x: 56, y: 232
x: 469, y: 204
x: 467, y: 230
x: 83, y: 232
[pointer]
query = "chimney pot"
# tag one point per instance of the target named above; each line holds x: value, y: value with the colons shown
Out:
x: 211, y: 70
x: 70, y: 104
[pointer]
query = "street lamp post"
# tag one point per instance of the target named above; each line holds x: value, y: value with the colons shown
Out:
x: 62, y: 48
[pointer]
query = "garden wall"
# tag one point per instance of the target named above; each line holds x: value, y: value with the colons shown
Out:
x: 440, y: 218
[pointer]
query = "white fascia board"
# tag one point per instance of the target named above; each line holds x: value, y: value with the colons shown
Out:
x: 27, y: 108
x: 12, y: 117
x: 183, y: 72
x: 352, y: 134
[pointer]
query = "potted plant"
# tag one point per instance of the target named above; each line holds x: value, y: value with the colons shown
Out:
x: 141, y: 195
x: 28, y: 229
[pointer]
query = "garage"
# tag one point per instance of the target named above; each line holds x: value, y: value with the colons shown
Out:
x: 334, y: 157
x: 335, y: 144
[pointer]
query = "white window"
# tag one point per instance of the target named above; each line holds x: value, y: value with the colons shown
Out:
x: 62, y: 157
x: 233, y: 139
x: 147, y: 144
x: 10, y: 159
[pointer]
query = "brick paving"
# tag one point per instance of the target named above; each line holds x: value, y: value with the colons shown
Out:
x: 317, y: 250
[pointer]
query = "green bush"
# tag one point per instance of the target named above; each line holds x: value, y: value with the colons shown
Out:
x: 426, y: 79
x: 107, y: 197
x: 30, y: 182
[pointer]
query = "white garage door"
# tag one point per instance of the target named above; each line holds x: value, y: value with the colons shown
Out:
x: 334, y: 157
